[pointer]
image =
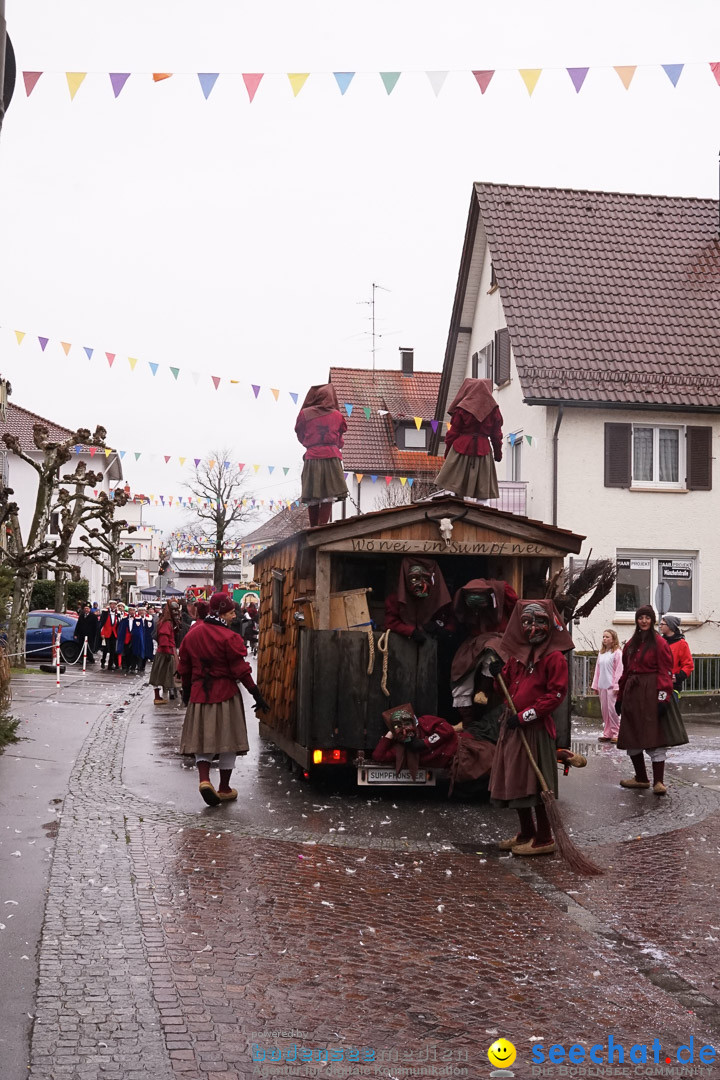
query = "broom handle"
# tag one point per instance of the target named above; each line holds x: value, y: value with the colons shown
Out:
x: 521, y: 733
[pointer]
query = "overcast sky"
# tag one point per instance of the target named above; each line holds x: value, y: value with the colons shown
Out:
x: 241, y: 241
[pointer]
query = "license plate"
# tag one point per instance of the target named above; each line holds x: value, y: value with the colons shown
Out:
x: 424, y: 777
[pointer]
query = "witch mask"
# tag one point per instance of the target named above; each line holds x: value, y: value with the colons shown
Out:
x: 418, y: 580
x: 401, y: 722
x: 482, y: 600
x: 535, y: 624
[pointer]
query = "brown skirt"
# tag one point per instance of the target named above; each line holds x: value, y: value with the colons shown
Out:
x: 469, y: 476
x: 162, y: 672
x: 323, y: 480
x: 216, y: 728
x: 640, y: 725
x: 513, y: 782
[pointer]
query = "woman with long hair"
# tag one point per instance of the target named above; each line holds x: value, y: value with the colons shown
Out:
x: 606, y: 683
x: 649, y: 717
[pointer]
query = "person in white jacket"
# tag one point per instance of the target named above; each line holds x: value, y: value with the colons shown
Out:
x: 608, y: 670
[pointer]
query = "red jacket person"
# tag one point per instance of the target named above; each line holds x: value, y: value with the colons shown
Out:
x: 320, y: 427
x: 536, y: 676
x: 422, y: 604
x: 212, y: 663
x: 412, y: 741
x: 473, y: 439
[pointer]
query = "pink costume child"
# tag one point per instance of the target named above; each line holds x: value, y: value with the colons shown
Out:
x: 608, y: 670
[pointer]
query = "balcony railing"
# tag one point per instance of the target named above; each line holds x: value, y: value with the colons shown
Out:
x: 512, y: 497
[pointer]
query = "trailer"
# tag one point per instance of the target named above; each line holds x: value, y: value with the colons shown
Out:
x: 326, y: 666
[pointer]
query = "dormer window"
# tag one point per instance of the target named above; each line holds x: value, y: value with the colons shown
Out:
x: 409, y: 437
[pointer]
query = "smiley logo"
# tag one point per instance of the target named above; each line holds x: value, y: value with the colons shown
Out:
x: 502, y: 1054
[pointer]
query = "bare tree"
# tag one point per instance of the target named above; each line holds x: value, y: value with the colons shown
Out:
x: 104, y: 545
x: 393, y: 495
x: 26, y: 554
x: 219, y: 508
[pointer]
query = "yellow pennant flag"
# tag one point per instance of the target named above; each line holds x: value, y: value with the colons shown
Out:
x: 626, y: 74
x: 211, y: 463
x: 418, y: 421
x: 74, y: 81
x: 132, y: 361
x: 530, y: 77
x: 256, y: 467
x: 359, y: 476
x: 234, y: 381
x: 275, y: 393
x: 403, y: 480
x: 107, y: 452
x: 182, y: 460
x: 297, y: 81
x: 19, y: 334
x: 66, y: 346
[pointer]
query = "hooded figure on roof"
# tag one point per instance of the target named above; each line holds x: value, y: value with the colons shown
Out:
x: 421, y: 606
x: 472, y: 441
x: 535, y: 673
x: 320, y: 427
x: 483, y: 608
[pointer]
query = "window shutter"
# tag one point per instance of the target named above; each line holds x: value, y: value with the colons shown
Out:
x: 502, y: 356
x: 474, y: 365
x: 618, y: 451
x: 699, y: 458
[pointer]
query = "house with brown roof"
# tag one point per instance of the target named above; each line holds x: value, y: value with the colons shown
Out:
x: 287, y: 522
x: 597, y: 316
x: 22, y: 478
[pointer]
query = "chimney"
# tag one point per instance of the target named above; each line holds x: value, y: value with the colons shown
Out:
x: 406, y: 361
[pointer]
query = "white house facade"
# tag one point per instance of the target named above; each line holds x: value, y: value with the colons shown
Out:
x: 597, y: 316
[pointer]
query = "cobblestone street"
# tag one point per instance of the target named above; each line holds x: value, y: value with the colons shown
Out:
x: 177, y: 938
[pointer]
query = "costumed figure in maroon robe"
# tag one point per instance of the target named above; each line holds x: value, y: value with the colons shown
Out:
x: 414, y: 741
x: 473, y: 439
x: 211, y: 665
x: 483, y: 607
x: 422, y: 605
x: 536, y: 676
x: 649, y: 713
x: 320, y: 427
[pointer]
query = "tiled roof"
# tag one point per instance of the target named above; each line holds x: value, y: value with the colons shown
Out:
x: 608, y: 297
x: 280, y: 526
x: 370, y: 443
x: 20, y: 422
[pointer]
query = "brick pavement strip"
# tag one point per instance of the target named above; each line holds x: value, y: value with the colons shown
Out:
x: 167, y: 947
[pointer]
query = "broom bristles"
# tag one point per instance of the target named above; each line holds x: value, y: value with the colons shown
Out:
x: 568, y: 852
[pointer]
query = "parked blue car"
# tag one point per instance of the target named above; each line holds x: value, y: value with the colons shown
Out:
x: 39, y: 635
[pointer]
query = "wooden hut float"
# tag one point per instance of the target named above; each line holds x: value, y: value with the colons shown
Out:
x: 322, y: 615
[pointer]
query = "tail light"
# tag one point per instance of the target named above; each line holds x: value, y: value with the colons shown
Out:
x: 330, y: 757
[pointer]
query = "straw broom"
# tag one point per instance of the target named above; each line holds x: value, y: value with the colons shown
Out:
x: 572, y: 855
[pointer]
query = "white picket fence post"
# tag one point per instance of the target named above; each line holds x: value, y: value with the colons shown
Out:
x: 85, y: 656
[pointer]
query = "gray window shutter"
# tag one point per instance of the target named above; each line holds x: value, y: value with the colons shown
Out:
x: 699, y: 458
x: 475, y: 366
x: 502, y: 356
x: 618, y: 455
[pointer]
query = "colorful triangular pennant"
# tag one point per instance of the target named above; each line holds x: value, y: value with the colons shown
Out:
x: 207, y: 82
x: 298, y: 80
x: 252, y: 81
x: 483, y: 79
x: 343, y: 79
x: 530, y: 77
x: 626, y: 74
x: 74, y: 80
x: 389, y: 79
x: 118, y: 80
x: 577, y: 76
x: 30, y: 78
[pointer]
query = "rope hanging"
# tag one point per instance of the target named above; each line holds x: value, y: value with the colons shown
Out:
x: 383, y: 648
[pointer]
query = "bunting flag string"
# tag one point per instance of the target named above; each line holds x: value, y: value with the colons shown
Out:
x: 343, y: 80
x: 179, y: 375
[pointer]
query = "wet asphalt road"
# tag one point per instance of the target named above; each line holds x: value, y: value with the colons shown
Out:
x: 272, y: 795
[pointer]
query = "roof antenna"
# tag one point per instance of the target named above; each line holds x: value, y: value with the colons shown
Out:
x: 372, y: 307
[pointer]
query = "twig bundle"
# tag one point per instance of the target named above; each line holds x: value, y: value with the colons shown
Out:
x: 596, y: 578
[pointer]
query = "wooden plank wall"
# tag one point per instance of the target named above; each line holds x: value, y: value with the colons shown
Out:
x: 277, y: 652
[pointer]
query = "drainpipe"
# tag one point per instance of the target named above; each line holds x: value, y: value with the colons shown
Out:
x: 556, y: 433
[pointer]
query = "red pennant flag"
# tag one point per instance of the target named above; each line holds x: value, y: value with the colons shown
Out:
x: 30, y: 79
x: 715, y: 68
x: 251, y: 84
x: 388, y: 479
x: 93, y: 450
x: 216, y: 381
x: 167, y: 457
x: 110, y: 358
x: 483, y: 79
x: 241, y: 465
